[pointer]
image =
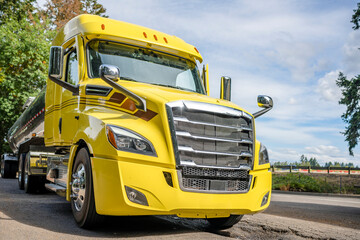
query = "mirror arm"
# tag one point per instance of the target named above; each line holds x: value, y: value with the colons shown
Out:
x: 139, y: 101
x: 68, y: 86
x: 261, y: 112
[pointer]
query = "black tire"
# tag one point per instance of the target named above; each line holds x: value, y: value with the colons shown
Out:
x: 13, y: 169
x: 83, y: 206
x: 223, y: 223
x: 7, y: 170
x: 30, y: 182
x: 21, y: 171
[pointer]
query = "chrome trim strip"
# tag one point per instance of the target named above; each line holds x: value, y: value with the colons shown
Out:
x: 193, y: 164
x: 190, y: 149
x: 182, y: 119
x: 189, y: 135
x: 208, y: 107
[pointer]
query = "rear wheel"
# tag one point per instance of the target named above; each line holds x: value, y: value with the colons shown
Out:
x: 31, y: 183
x: 224, y: 223
x: 21, y: 170
x: 82, y: 192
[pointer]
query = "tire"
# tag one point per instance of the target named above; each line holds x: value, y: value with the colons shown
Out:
x: 83, y: 203
x: 30, y: 182
x: 13, y: 169
x: 223, y: 223
x: 21, y: 171
x: 6, y: 171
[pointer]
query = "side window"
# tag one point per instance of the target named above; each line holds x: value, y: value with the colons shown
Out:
x: 72, y: 70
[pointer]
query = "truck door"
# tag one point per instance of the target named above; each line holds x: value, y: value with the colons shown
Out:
x: 69, y: 113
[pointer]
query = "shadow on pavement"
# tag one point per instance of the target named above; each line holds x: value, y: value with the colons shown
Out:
x: 51, y: 212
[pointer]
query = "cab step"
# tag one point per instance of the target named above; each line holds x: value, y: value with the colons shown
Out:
x: 59, y: 190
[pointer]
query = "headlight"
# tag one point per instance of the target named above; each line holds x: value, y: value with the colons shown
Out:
x: 127, y: 140
x: 263, y: 155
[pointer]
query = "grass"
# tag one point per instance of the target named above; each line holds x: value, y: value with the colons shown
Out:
x: 302, y: 182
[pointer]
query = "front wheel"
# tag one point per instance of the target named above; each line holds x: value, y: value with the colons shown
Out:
x: 82, y: 192
x: 224, y: 223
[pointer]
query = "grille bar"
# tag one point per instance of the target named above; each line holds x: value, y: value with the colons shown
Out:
x: 182, y: 119
x: 187, y: 134
x: 190, y: 149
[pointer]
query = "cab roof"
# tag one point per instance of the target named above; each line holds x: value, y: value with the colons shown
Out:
x: 95, y: 26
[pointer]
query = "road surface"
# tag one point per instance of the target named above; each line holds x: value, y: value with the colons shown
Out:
x: 48, y: 216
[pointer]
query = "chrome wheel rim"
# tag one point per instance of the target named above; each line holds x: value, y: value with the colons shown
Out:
x: 78, y: 187
x: 26, y: 179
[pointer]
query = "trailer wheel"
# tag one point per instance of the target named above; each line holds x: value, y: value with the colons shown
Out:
x: 223, y: 223
x: 7, y: 170
x: 82, y: 192
x: 21, y: 171
x: 31, y: 183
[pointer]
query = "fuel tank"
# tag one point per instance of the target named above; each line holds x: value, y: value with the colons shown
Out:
x: 30, y: 123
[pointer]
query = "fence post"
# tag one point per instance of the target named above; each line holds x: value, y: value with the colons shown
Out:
x: 309, y: 169
x: 349, y: 170
x: 328, y: 169
x: 290, y: 168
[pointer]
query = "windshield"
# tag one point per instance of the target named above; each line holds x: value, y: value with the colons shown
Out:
x: 144, y: 65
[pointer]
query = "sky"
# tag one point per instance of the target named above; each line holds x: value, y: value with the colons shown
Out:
x: 289, y: 50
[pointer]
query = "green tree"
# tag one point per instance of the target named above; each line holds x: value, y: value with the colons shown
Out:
x: 26, y: 33
x: 350, y: 98
x: 356, y: 17
x: 14, y: 9
x: 23, y: 66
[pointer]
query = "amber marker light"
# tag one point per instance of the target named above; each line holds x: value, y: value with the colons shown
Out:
x: 111, y: 137
x: 103, y: 26
x: 145, y: 35
x: 165, y: 40
x: 196, y: 50
x: 155, y: 37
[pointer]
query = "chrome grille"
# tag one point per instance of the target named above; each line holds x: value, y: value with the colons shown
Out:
x: 214, y: 173
x: 214, y: 179
x: 211, y: 135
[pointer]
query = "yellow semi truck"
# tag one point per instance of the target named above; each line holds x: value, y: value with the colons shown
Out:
x: 126, y: 126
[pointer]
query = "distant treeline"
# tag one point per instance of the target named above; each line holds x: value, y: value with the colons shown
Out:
x: 304, y: 161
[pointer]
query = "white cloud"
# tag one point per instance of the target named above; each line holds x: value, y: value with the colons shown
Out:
x: 289, y: 50
x: 352, y: 54
x: 327, y: 87
x: 324, y: 150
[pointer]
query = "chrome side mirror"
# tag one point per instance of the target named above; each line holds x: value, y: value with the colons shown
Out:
x: 109, y: 71
x: 225, y: 88
x: 265, y: 102
x: 111, y: 74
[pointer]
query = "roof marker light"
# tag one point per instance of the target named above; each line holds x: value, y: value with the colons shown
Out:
x: 145, y: 34
x: 165, y: 40
x: 103, y: 26
x: 155, y: 37
x: 196, y: 50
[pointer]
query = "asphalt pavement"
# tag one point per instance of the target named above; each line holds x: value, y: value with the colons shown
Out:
x: 48, y: 216
x: 338, y: 211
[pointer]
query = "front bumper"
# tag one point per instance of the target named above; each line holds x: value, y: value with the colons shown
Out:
x: 111, y: 176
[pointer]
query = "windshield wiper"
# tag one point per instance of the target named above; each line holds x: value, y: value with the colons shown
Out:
x: 128, y: 79
x: 172, y: 86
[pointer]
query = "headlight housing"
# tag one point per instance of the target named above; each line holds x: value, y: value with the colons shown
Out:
x: 126, y: 140
x: 263, y: 155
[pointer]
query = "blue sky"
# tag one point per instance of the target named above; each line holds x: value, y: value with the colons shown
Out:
x: 289, y: 50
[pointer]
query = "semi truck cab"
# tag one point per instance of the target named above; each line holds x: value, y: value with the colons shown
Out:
x: 126, y: 126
